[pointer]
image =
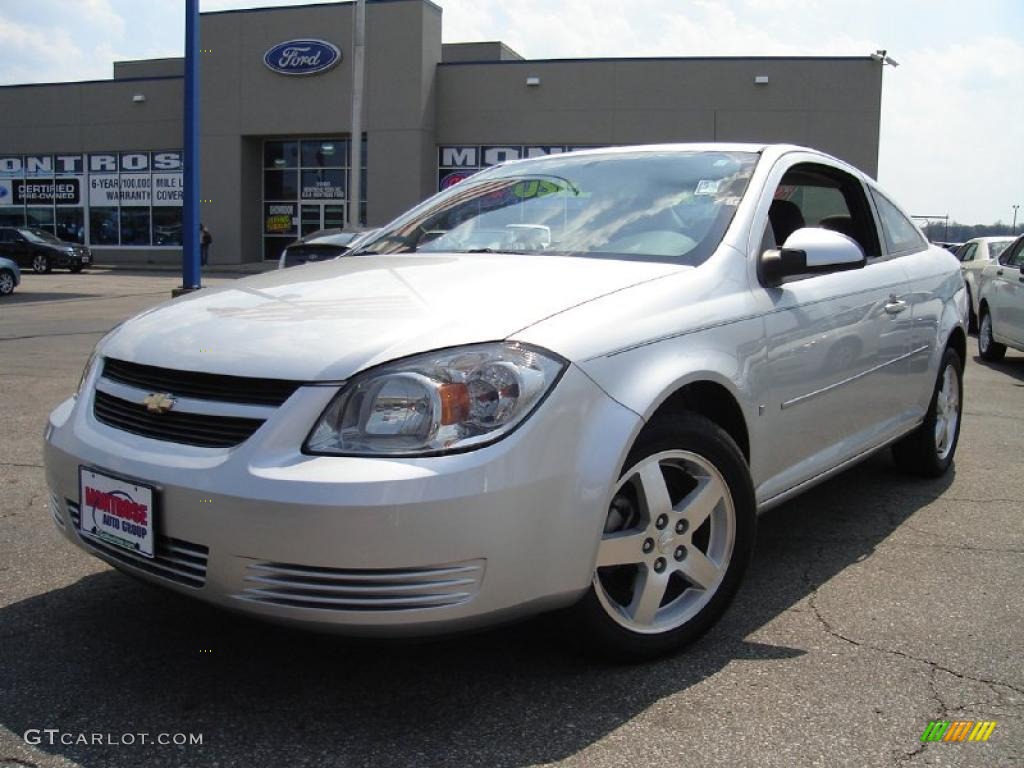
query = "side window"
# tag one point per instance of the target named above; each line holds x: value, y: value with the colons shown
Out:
x: 970, y: 251
x: 812, y: 195
x: 1014, y: 256
x: 5, y: 236
x: 900, y: 234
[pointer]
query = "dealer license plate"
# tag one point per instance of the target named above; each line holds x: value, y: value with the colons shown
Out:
x: 117, y: 511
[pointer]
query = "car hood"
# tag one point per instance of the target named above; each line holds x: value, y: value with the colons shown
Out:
x: 327, y: 321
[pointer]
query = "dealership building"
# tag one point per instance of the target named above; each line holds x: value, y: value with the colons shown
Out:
x: 100, y: 162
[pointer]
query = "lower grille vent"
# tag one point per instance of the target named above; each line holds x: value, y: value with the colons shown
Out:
x: 175, y: 560
x: 336, y: 589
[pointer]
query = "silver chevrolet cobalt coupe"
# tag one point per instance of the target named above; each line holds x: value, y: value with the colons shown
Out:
x: 570, y: 382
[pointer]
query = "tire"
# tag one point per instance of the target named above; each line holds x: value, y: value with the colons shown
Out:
x: 6, y: 282
x: 704, y: 526
x: 988, y: 349
x: 75, y: 268
x: 928, y: 450
x: 972, y: 318
x: 41, y: 264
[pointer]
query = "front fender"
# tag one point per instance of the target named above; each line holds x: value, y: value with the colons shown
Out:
x: 643, y: 377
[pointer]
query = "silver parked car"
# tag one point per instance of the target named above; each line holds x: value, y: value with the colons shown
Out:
x: 565, y: 383
x: 1001, y: 304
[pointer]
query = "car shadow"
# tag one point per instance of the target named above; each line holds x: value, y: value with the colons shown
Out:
x: 1012, y: 365
x: 108, y: 654
x: 21, y: 296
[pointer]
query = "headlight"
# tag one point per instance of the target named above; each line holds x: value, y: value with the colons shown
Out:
x: 86, y: 371
x: 450, y: 400
x: 94, y: 358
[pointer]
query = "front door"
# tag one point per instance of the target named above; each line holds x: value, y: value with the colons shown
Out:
x: 1005, y: 295
x: 836, y: 343
x: 316, y: 216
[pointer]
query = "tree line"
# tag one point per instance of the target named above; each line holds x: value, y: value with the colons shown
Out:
x: 955, y: 232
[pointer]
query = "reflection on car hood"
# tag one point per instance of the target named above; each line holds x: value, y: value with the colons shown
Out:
x: 327, y: 321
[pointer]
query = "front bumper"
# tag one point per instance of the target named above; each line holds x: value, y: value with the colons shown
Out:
x: 365, y: 545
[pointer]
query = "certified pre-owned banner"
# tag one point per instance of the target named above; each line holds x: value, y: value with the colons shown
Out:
x: 47, y: 191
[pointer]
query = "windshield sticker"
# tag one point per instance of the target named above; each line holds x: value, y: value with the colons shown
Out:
x: 707, y: 187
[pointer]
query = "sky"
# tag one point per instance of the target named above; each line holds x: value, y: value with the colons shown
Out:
x: 952, y: 112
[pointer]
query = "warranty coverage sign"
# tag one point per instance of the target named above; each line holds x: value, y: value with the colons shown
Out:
x: 116, y: 511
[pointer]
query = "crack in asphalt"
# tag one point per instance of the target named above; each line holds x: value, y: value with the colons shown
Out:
x: 54, y: 335
x: 933, y: 666
x: 17, y: 464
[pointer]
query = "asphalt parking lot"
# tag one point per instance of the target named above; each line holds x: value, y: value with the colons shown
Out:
x: 874, y: 605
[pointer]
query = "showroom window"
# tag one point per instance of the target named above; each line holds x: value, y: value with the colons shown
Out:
x: 305, y: 188
x: 130, y: 199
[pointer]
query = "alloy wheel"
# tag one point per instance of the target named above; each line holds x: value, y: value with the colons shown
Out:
x: 668, y: 542
x: 985, y: 333
x: 947, y: 411
x: 6, y: 283
x: 39, y: 263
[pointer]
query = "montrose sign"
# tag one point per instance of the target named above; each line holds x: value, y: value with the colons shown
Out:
x: 302, y: 57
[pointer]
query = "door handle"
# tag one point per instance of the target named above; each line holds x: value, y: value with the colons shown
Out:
x: 894, y: 306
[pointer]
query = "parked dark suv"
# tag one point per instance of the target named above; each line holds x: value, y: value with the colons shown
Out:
x: 40, y: 250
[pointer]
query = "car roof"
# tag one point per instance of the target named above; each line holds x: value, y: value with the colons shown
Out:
x: 992, y: 239
x: 770, y: 152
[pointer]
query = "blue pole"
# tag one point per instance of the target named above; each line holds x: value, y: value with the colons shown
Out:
x: 190, y: 273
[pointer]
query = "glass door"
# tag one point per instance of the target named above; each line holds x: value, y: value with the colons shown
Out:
x: 316, y: 216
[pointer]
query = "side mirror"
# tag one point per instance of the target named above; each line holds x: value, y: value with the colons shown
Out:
x: 810, y: 251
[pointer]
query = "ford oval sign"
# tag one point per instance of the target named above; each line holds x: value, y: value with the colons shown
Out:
x: 302, y: 57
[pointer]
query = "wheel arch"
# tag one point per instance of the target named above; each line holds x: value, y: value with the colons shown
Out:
x: 958, y: 341
x: 709, y: 398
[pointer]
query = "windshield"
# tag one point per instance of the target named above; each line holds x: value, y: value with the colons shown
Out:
x: 995, y: 249
x: 38, y: 236
x: 655, y: 205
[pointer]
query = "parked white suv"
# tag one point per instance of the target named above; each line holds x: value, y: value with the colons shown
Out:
x: 565, y: 383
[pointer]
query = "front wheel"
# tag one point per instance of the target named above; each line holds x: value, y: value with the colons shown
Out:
x: 41, y: 263
x: 988, y: 349
x: 928, y: 450
x: 678, y: 536
x: 6, y: 282
x: 75, y: 268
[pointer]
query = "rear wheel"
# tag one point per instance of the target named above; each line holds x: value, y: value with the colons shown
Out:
x: 929, y: 449
x: 677, y: 539
x: 989, y: 350
x: 41, y: 263
x: 6, y: 282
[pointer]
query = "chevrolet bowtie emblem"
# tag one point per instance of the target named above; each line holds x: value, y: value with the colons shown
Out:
x: 158, y: 402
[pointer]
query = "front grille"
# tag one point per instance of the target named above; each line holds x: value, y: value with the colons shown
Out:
x: 336, y: 589
x: 202, y: 386
x: 175, y: 426
x: 174, y: 559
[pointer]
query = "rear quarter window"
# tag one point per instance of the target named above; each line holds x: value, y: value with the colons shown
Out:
x: 900, y: 233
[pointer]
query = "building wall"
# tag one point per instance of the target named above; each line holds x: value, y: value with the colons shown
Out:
x: 414, y: 103
x: 830, y: 104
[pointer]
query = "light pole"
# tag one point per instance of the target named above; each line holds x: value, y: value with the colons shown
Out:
x: 1013, y: 229
x: 190, y: 273
x: 355, y: 163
